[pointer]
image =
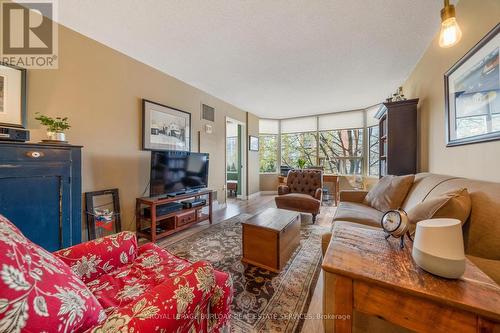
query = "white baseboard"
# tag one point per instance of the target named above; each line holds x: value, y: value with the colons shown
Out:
x: 254, y: 195
x: 268, y: 192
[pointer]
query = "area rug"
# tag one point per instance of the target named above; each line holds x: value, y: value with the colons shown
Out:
x: 263, y: 301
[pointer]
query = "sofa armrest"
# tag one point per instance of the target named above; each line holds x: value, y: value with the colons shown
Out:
x: 91, y: 259
x: 353, y: 196
x: 283, y: 189
x: 318, y: 194
x: 175, y: 305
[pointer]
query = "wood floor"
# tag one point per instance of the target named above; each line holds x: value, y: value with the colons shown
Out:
x: 254, y: 206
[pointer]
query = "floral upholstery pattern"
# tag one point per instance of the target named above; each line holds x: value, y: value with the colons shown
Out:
x: 38, y: 292
x: 127, y: 283
x: 107, y: 285
x: 178, y: 304
x: 90, y: 260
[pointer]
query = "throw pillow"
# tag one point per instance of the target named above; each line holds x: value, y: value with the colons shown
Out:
x: 39, y: 293
x: 389, y: 193
x: 453, y: 204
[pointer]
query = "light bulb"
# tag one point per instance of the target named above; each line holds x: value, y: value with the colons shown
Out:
x: 450, y: 33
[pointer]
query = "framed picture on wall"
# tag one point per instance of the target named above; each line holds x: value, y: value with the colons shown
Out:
x: 165, y: 128
x: 12, y: 96
x: 472, y: 94
x: 253, y: 143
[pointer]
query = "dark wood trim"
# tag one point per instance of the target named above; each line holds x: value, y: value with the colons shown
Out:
x: 24, y: 98
x: 473, y: 139
x: 144, y: 101
x: 90, y: 205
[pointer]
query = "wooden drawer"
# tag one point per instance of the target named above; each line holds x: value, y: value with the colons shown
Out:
x: 33, y: 154
x: 185, y: 218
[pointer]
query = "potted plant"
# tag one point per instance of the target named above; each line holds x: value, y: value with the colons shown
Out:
x: 301, y: 163
x: 55, y: 126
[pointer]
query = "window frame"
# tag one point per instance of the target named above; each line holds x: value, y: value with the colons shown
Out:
x: 278, y: 163
x: 347, y: 158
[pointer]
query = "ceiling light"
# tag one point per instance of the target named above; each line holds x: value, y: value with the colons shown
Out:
x: 450, y: 31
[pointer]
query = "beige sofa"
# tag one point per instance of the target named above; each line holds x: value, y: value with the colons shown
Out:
x: 481, y: 231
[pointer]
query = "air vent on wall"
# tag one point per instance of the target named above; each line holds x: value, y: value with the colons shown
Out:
x: 207, y: 112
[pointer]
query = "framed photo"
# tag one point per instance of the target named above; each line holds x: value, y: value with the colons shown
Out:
x: 472, y: 94
x: 103, y: 213
x: 165, y: 128
x: 12, y: 96
x: 253, y: 143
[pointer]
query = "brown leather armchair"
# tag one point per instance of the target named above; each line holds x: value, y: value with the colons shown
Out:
x: 302, y: 192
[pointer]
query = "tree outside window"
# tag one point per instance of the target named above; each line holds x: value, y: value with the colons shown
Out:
x: 231, y: 154
x: 341, y: 151
x: 298, y: 146
x: 373, y: 151
x: 268, y: 153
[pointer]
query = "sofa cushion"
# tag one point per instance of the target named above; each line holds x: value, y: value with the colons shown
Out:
x: 298, y: 202
x: 389, y: 193
x: 91, y: 259
x: 453, y: 204
x: 489, y: 267
x: 38, y: 292
x: 129, y: 282
x: 358, y: 213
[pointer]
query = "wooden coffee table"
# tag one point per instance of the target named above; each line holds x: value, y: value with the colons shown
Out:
x: 364, y: 272
x: 269, y: 238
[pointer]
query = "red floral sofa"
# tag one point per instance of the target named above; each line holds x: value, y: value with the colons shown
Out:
x: 107, y: 285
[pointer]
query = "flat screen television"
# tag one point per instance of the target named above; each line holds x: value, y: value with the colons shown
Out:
x: 176, y: 172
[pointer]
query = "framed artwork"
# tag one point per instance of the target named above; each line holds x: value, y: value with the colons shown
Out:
x: 472, y: 94
x: 12, y: 96
x: 165, y: 128
x: 253, y: 143
x: 103, y: 213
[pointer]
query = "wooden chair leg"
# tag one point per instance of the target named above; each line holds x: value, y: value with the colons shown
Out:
x: 314, y: 218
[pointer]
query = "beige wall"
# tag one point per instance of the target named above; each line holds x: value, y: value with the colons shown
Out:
x: 479, y: 161
x: 100, y: 90
x: 269, y: 182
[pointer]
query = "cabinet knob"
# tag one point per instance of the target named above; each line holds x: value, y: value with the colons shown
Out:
x: 34, y: 154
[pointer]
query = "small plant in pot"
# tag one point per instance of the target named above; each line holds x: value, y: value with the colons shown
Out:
x: 301, y: 163
x: 55, y: 126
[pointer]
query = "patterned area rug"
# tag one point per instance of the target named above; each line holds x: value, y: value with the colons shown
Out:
x: 263, y: 301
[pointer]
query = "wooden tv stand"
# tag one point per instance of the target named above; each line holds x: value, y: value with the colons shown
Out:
x: 164, y: 225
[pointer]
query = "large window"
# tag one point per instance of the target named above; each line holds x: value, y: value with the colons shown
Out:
x: 268, y: 146
x: 373, y: 151
x: 341, y: 151
x: 298, y: 149
x: 343, y: 143
x: 268, y: 153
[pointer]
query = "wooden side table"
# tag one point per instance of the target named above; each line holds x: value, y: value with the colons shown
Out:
x: 365, y: 272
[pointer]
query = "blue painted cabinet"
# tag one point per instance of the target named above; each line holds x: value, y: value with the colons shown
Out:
x: 40, y: 192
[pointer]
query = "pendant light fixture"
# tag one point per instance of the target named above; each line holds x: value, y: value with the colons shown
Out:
x: 450, y: 31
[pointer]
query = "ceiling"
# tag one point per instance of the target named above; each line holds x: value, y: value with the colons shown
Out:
x: 274, y: 58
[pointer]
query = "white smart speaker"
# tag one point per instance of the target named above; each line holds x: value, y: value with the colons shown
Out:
x: 438, y: 247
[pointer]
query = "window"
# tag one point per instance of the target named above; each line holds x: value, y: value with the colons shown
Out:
x: 373, y: 151
x: 298, y: 149
x: 341, y: 151
x: 268, y: 146
x: 268, y: 153
x: 373, y: 142
x: 232, y: 154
